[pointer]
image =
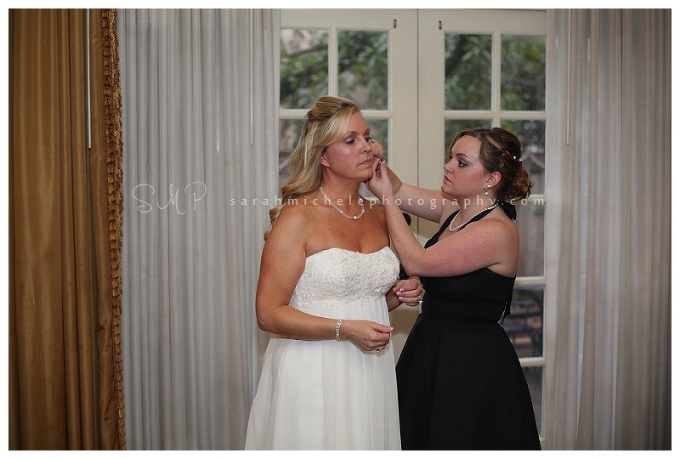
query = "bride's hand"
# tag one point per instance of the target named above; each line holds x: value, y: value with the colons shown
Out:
x: 366, y: 335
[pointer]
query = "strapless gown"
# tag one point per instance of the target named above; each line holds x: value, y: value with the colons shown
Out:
x: 323, y: 395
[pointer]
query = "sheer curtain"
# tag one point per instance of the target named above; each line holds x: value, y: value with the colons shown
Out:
x: 609, y: 136
x: 200, y: 123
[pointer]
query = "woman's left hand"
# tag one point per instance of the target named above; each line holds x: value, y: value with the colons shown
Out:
x: 409, y: 291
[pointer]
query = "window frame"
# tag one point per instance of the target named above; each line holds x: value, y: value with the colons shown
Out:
x: 416, y: 111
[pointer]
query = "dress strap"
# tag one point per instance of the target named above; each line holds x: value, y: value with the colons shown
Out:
x: 509, y: 209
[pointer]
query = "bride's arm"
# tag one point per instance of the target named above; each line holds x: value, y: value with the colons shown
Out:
x: 283, y: 261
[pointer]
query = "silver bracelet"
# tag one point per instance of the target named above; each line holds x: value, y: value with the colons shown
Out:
x: 337, y: 330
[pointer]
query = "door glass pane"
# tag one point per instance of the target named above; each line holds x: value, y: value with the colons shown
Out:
x: 534, y: 377
x: 532, y: 135
x: 453, y: 127
x: 362, y: 68
x: 522, y: 72
x: 467, y: 72
x: 304, y: 67
x: 524, y: 324
x: 379, y: 133
x: 531, y: 225
x: 289, y: 132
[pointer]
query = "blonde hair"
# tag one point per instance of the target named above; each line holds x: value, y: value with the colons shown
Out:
x: 327, y: 122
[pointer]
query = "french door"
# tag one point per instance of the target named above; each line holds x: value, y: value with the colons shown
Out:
x: 420, y: 76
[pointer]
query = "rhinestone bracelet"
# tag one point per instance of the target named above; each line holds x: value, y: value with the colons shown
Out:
x: 337, y: 330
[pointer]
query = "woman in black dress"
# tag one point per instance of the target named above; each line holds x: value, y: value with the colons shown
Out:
x: 459, y: 379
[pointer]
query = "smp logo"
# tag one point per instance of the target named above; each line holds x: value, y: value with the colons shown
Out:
x: 179, y: 199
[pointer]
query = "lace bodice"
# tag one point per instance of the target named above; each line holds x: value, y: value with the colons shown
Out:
x: 343, y: 275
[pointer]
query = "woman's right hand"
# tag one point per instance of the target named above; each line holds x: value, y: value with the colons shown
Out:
x: 385, y: 184
x: 365, y: 334
x: 378, y: 152
x: 381, y: 185
x: 380, y: 170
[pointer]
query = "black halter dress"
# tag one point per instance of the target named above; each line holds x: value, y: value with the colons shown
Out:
x: 460, y: 383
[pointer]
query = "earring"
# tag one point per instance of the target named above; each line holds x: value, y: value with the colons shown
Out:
x: 486, y: 191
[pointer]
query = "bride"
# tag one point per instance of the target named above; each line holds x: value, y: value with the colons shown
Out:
x: 327, y: 282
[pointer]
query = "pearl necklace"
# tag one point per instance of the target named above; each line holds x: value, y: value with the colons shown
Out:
x: 356, y: 217
x: 495, y: 204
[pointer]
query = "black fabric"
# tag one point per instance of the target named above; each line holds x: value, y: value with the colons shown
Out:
x: 460, y: 383
x: 509, y: 209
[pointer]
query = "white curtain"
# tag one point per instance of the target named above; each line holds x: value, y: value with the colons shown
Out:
x: 200, y: 124
x: 609, y: 138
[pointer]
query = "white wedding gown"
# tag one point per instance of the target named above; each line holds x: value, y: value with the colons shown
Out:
x: 322, y: 395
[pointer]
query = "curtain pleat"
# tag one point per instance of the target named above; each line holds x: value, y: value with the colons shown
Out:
x: 200, y: 174
x: 609, y: 137
x: 54, y: 394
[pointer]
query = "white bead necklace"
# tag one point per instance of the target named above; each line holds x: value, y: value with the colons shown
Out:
x: 493, y: 206
x: 356, y: 217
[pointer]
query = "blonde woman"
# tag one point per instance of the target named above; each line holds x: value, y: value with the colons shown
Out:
x: 327, y: 282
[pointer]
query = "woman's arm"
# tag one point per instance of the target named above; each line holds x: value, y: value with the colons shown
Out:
x: 492, y: 242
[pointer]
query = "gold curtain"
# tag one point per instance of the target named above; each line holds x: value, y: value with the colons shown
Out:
x: 65, y: 388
